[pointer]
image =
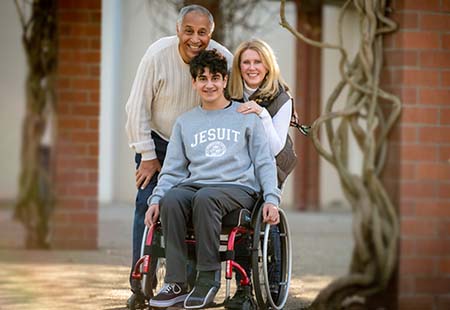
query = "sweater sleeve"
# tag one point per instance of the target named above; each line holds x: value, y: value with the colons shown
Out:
x: 277, y: 128
x: 174, y: 170
x: 138, y: 109
x: 264, y: 163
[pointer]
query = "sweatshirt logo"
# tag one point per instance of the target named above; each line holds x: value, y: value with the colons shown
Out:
x: 215, y: 148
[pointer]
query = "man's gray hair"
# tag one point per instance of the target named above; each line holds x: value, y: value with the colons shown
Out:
x: 195, y: 8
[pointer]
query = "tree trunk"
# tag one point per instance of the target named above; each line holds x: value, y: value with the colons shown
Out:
x: 35, y: 199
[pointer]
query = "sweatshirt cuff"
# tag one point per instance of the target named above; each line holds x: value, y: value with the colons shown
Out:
x: 153, y: 200
x: 273, y: 199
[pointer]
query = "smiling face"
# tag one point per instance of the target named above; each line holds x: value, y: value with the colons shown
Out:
x: 210, y: 87
x: 253, y: 70
x: 194, y: 34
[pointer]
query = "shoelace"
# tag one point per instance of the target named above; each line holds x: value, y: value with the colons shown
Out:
x: 170, y: 287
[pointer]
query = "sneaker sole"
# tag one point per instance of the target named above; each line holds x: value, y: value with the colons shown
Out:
x: 209, y: 299
x: 167, y: 303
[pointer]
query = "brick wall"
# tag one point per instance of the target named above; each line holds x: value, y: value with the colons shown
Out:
x: 74, y: 223
x: 417, y: 69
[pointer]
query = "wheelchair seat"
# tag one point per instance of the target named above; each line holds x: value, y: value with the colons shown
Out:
x: 239, y: 217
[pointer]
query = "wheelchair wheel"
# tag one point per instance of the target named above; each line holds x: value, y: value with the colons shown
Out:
x: 152, y: 280
x: 264, y: 255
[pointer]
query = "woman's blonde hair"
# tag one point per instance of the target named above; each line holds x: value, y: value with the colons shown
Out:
x: 270, y: 85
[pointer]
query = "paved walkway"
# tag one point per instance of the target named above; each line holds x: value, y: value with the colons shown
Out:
x: 50, y: 280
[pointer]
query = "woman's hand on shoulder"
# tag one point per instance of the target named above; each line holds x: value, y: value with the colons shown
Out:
x: 250, y: 107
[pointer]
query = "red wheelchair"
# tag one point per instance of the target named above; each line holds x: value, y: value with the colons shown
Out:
x: 236, y: 226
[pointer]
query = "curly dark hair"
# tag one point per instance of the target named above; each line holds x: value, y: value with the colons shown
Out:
x: 211, y: 59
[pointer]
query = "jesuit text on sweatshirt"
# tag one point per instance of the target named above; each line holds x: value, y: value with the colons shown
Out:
x: 214, y: 136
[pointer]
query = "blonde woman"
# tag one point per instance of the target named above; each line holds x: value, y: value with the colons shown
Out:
x: 256, y: 82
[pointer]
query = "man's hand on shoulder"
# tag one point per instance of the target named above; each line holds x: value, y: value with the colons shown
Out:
x: 145, y: 172
x: 270, y: 214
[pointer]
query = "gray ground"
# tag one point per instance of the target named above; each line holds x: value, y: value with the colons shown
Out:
x: 99, y: 279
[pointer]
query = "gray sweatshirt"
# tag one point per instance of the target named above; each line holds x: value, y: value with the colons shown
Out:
x: 219, y: 147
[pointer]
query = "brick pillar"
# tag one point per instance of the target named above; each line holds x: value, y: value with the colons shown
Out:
x: 417, y: 69
x: 74, y: 224
x: 307, y: 102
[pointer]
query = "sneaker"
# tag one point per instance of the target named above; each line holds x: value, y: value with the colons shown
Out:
x: 169, y: 295
x: 136, y: 301
x: 204, y: 291
x: 242, y: 296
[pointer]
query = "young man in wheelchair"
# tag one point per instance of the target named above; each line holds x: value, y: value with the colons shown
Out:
x: 218, y: 160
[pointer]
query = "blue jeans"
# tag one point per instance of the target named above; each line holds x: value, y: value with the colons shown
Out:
x: 141, y: 207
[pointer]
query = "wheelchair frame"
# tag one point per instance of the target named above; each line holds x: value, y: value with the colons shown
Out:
x: 150, y: 268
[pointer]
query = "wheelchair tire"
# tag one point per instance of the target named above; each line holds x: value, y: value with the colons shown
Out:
x: 263, y: 256
x: 153, y: 281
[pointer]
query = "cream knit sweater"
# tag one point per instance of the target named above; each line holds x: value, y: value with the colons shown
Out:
x: 161, y: 91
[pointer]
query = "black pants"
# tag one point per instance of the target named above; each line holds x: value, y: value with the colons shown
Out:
x: 205, y: 205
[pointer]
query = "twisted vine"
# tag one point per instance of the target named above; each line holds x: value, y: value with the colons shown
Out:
x: 368, y: 120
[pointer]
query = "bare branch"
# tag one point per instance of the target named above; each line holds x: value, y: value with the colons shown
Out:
x: 20, y: 12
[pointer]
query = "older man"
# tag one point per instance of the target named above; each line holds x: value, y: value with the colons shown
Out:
x: 161, y: 91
